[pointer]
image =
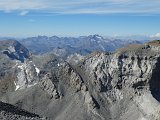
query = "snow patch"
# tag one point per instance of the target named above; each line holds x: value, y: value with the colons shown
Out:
x: 17, y: 86
x: 11, y: 49
x: 99, y: 37
x: 21, y: 67
x: 26, y: 75
x: 37, y: 70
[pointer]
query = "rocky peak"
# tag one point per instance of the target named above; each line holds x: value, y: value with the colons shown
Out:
x: 121, y: 85
x: 96, y: 36
x: 130, y: 72
x: 17, y: 69
x: 14, y: 50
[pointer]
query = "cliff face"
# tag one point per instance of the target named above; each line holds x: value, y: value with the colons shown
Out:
x: 130, y: 76
x: 17, y: 71
x: 101, y: 86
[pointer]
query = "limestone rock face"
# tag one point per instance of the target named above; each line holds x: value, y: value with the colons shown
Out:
x: 123, y: 85
x: 128, y: 76
x: 16, y: 66
x: 75, y: 79
x: 17, y: 71
x: 27, y: 75
x: 48, y: 86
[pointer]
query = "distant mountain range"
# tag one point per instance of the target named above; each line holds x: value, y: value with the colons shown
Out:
x: 64, y: 46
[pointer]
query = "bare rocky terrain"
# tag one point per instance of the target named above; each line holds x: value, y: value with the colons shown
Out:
x: 122, y: 85
x: 10, y: 112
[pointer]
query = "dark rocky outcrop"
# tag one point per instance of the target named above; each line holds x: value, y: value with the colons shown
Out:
x: 10, y: 112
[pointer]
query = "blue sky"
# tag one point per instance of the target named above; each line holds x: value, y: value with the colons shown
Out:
x: 22, y: 18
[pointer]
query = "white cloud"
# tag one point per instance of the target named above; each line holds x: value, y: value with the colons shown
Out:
x: 11, y: 5
x: 22, y: 13
x: 157, y: 35
x: 82, y: 6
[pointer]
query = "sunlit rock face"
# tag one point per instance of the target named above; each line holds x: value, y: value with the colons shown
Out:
x: 128, y: 76
x: 17, y: 69
x: 121, y: 85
